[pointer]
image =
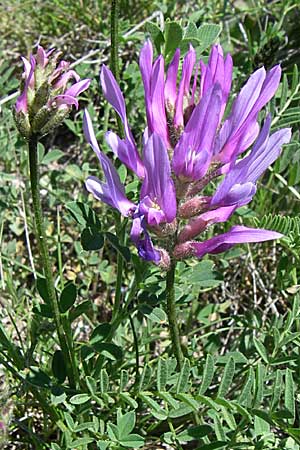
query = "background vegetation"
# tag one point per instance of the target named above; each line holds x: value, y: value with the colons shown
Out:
x: 239, y: 313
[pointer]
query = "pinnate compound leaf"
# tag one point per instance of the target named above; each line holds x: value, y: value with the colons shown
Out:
x: 83, y: 214
x: 208, y: 374
x: 227, y: 377
x: 259, y: 389
x: 132, y: 441
x: 145, y: 378
x: 91, y: 384
x: 104, y: 381
x: 129, y: 400
x: 162, y: 374
x: 289, y: 393
x: 157, y: 411
x: 81, y: 442
x: 246, y: 394
x: 111, y: 351
x: 79, y: 399
x: 114, y: 241
x: 261, y: 349
x: 157, y: 315
x: 125, y: 423
x: 207, y: 34
x: 173, y: 36
x: 100, y: 333
x: 277, y: 389
x: 192, y: 433
x: 91, y: 239
x: 183, y: 379
x: 53, y: 155
x: 156, y: 34
x: 67, y: 297
x: 58, y: 366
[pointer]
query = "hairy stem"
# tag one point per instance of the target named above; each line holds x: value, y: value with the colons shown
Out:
x: 172, y: 316
x: 114, y: 57
x: 114, y: 38
x: 114, y: 63
x: 45, y: 260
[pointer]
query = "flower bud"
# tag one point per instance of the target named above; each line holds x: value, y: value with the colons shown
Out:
x: 192, y: 229
x: 165, y: 261
x: 193, y: 206
x: 182, y: 251
x: 45, y: 99
x: 165, y: 229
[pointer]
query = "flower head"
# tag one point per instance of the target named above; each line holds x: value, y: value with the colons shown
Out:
x: 187, y: 144
x: 47, y: 96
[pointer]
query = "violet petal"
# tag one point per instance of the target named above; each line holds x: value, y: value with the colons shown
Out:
x: 236, y: 235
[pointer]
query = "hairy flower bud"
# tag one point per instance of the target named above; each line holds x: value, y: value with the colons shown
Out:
x: 165, y: 229
x: 193, y: 207
x: 182, y: 251
x: 192, y: 229
x: 165, y: 261
x: 45, y: 100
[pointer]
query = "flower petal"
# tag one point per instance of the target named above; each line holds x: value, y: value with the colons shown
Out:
x: 237, y: 235
x: 239, y: 185
x: 41, y: 57
x: 171, y: 81
x: 192, y: 154
x: 112, y: 192
x: 235, y: 135
x: 63, y: 80
x: 145, y: 63
x: 184, y: 86
x: 22, y: 102
x: 158, y: 184
x: 126, y: 153
x: 114, y: 96
x: 141, y: 238
x: 77, y: 88
x: 64, y: 100
x: 158, y: 111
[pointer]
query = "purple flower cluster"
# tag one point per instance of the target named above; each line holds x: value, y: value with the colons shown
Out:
x: 46, y: 98
x: 186, y: 145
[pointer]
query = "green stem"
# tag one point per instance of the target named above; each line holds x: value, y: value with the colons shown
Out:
x: 120, y: 265
x: 45, y: 260
x: 172, y: 316
x: 114, y: 38
x: 114, y: 57
x: 118, y: 291
x: 136, y: 349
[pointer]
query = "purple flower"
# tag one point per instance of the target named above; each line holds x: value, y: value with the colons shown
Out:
x: 157, y: 199
x: 112, y: 192
x: 240, y: 129
x: 239, y: 185
x: 46, y: 98
x: 186, y: 145
x: 193, y: 152
x: 223, y: 242
x: 125, y: 149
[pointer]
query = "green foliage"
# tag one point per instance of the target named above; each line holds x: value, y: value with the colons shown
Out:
x: 175, y: 36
